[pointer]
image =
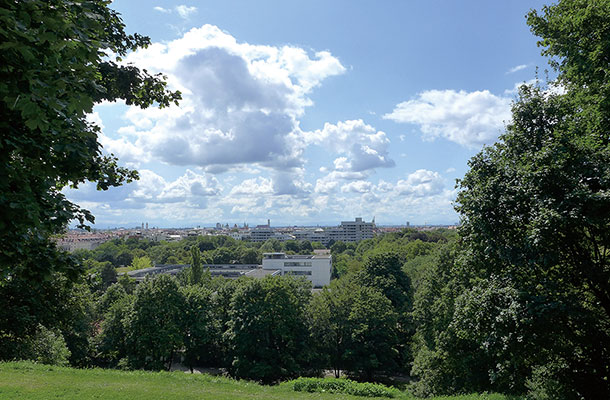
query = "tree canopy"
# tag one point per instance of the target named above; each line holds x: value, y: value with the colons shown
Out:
x: 54, y: 66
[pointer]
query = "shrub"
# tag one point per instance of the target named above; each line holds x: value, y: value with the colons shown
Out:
x: 346, y: 386
x: 47, y: 347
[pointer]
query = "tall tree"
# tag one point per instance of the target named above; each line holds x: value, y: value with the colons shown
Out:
x: 54, y: 66
x: 535, y: 206
x: 196, y: 268
x: 198, y: 329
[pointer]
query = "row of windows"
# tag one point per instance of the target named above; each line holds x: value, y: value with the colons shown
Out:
x: 297, y: 273
x: 297, y: 264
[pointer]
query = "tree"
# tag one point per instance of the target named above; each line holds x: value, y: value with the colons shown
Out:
x: 110, y: 344
x: 53, y: 68
x: 291, y: 246
x: 198, y: 330
x: 535, y: 206
x: 153, y: 325
x: 108, y: 275
x: 374, y: 337
x: 305, y: 247
x: 196, y: 268
x: 267, y: 328
x: 329, y: 324
x: 140, y: 263
x: 384, y: 272
x: 223, y: 255
x: 249, y: 256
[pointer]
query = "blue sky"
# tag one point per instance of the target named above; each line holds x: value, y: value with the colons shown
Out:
x: 312, y: 112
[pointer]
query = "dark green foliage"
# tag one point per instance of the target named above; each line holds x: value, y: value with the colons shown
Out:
x: 223, y: 255
x: 154, y: 323
x: 110, y: 344
x: 110, y: 296
x: 374, y: 334
x: 267, y: 328
x: 526, y: 305
x: 346, y: 386
x: 197, y: 326
x: 384, y: 272
x: 108, y: 275
x: 329, y: 324
x: 25, y: 305
x: 354, y: 329
x: 53, y: 69
x: 249, y: 256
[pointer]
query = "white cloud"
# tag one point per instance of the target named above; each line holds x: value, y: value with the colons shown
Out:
x: 182, y: 10
x: 185, y: 11
x: 254, y: 186
x: 470, y: 119
x: 421, y: 183
x: 241, y: 102
x: 364, y: 147
x: 189, y: 190
x: 516, y: 68
x: 357, y: 187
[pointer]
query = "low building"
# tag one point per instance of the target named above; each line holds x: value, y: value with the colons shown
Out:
x: 317, y: 268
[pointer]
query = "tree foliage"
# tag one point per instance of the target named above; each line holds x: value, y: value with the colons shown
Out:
x: 536, y: 218
x: 267, y: 328
x: 53, y: 69
x: 154, y: 323
x: 54, y: 66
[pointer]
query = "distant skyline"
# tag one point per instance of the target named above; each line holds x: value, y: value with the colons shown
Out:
x: 313, y: 112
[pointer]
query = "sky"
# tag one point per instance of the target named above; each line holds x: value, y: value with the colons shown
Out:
x: 311, y: 112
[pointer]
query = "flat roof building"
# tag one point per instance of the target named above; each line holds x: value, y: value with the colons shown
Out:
x: 316, y: 268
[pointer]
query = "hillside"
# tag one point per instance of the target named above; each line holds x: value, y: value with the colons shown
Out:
x: 25, y: 380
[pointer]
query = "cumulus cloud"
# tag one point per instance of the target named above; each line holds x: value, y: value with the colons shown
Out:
x: 241, y: 102
x: 364, y: 147
x: 357, y: 187
x: 421, y: 183
x: 332, y: 180
x: 191, y: 189
x: 470, y: 119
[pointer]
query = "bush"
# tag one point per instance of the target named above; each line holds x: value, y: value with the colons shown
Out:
x: 346, y: 386
x: 47, y: 347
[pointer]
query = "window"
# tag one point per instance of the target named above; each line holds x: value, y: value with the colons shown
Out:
x: 300, y: 273
x: 297, y: 264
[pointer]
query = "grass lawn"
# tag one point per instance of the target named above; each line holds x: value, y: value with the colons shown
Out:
x: 25, y: 380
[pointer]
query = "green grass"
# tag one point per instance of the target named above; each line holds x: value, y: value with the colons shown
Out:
x: 26, y: 380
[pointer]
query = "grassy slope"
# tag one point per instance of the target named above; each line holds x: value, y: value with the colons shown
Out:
x: 24, y: 380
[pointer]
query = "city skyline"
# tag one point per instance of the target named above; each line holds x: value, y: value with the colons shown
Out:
x: 311, y: 113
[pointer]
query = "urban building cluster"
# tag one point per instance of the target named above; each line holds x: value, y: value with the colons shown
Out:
x: 347, y: 231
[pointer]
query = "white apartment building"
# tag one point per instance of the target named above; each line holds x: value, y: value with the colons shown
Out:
x: 317, y: 268
x: 355, y: 231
